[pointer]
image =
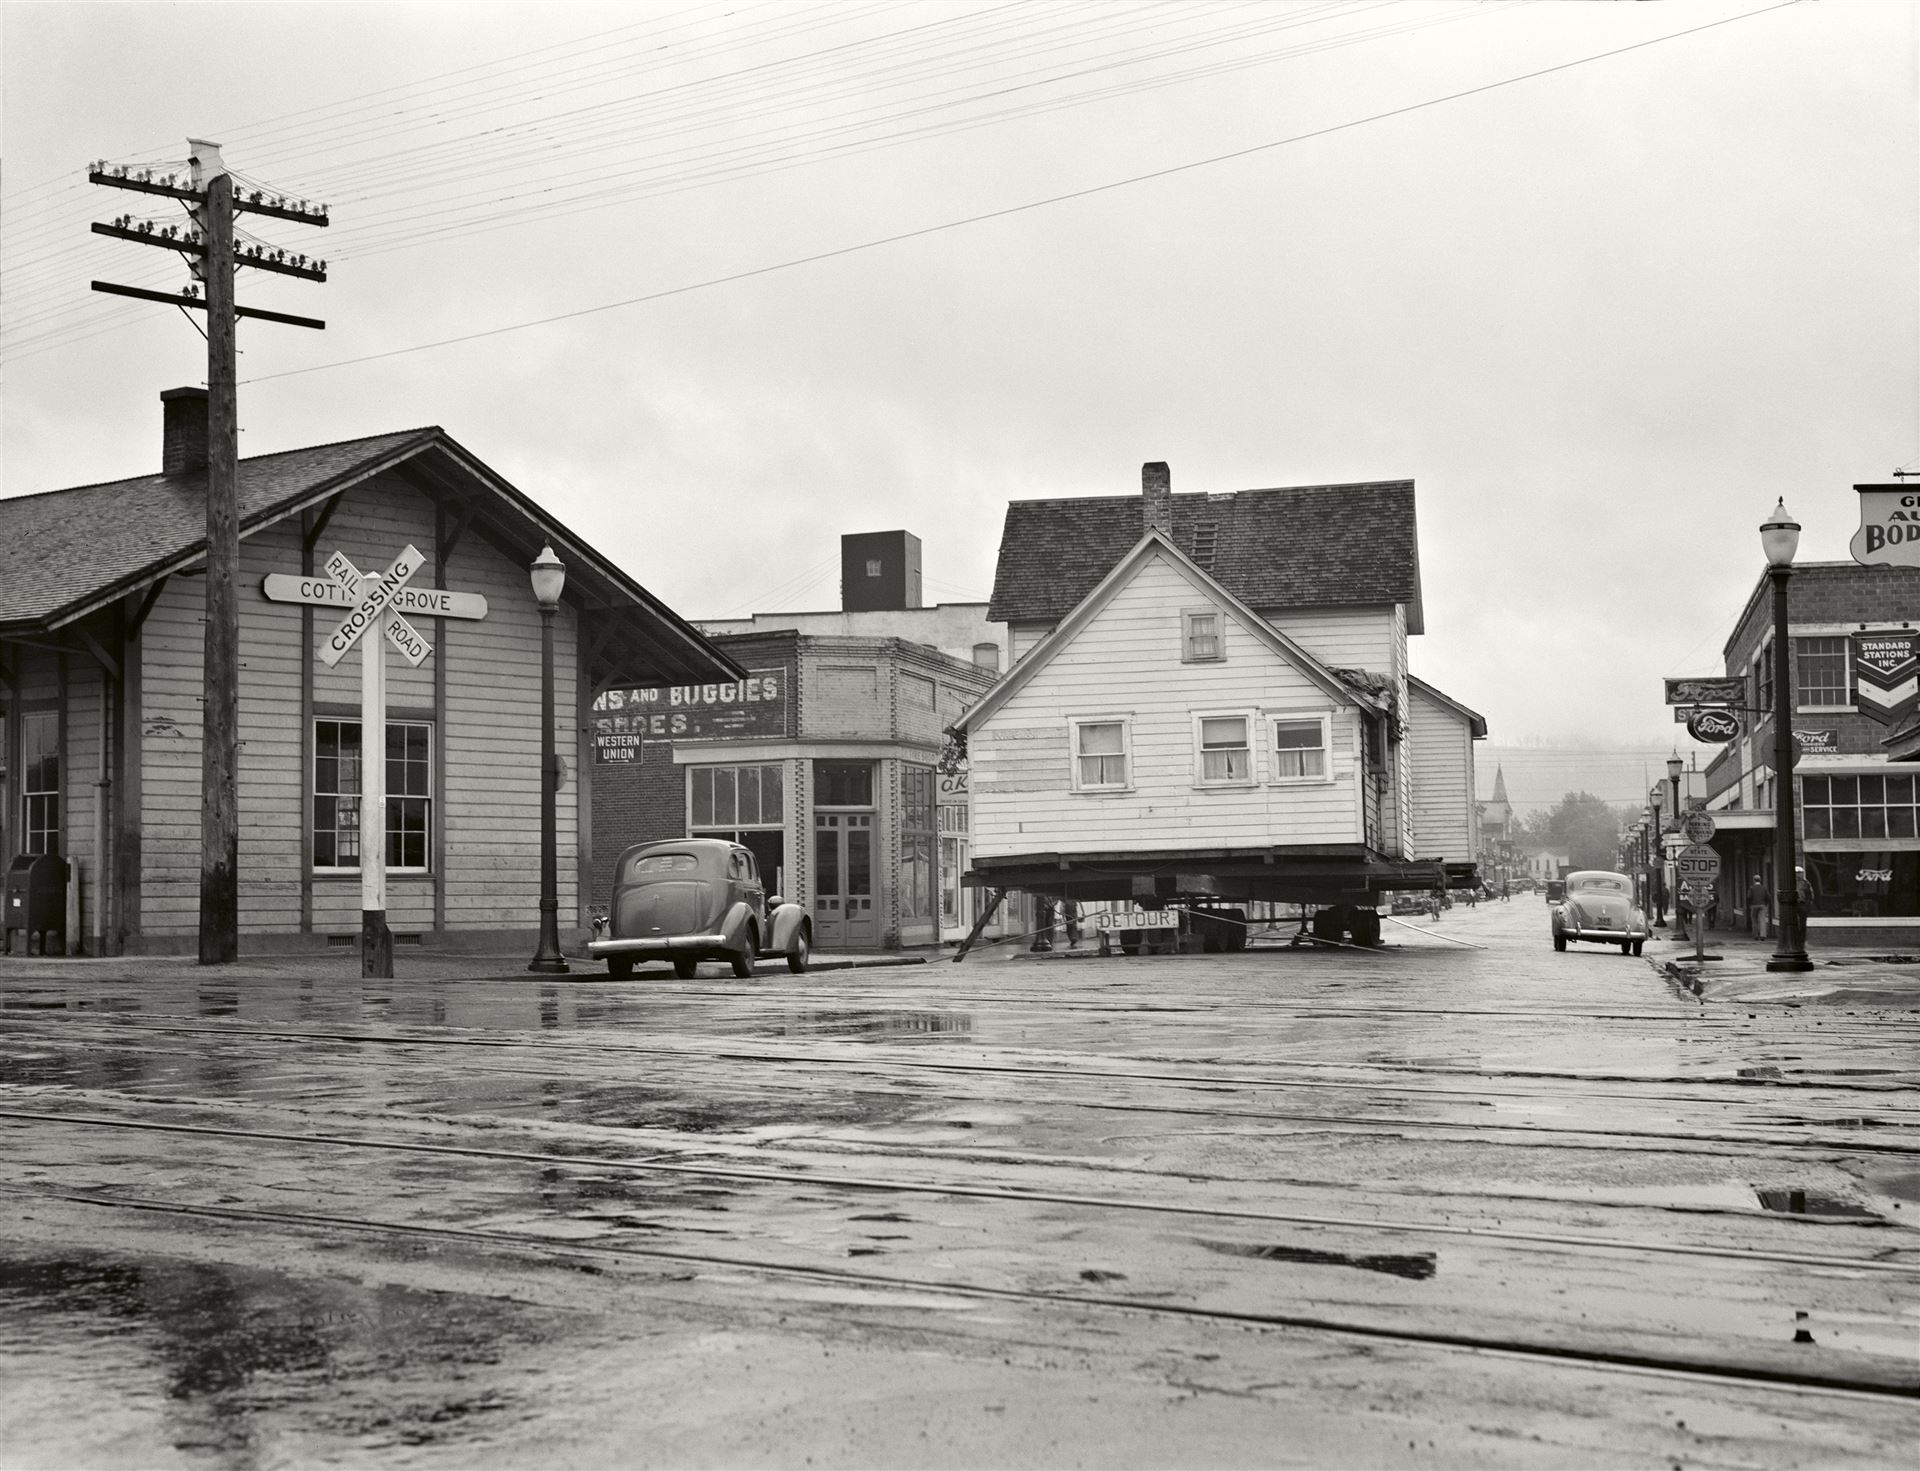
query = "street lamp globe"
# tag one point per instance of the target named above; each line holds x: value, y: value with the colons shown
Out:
x: 549, y: 576
x: 1780, y: 536
x: 1674, y: 765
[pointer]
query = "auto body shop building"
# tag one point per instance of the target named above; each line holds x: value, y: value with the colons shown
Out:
x: 101, y: 638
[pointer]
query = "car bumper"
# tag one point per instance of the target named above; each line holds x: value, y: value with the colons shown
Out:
x: 657, y: 947
x: 1605, y: 936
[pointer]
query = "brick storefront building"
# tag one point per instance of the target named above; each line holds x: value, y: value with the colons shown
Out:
x: 830, y: 761
x: 1858, y: 805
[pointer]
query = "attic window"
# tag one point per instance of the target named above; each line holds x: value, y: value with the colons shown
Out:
x: 1200, y: 636
x: 873, y: 567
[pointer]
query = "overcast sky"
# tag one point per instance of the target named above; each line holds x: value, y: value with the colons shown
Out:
x: 1603, y: 315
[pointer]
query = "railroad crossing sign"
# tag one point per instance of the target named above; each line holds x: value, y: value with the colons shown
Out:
x: 1697, y: 862
x: 375, y: 602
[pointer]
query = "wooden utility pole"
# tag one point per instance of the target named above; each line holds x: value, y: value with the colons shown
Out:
x: 208, y: 244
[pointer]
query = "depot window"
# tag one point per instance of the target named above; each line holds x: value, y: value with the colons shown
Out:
x: 1225, y: 753
x: 40, y: 781
x: 1869, y: 808
x: 1821, y: 674
x: 338, y: 767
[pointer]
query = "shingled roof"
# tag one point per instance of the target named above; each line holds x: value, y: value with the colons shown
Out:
x: 65, y: 554
x: 1290, y: 547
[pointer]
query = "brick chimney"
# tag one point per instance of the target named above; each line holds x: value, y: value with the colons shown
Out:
x: 1156, y: 496
x: 183, y: 434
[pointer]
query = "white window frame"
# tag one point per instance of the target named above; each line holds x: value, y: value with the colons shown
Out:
x: 1074, y: 723
x: 1270, y: 718
x: 1250, y: 721
x: 1219, y: 654
x: 431, y: 805
x: 1845, y: 703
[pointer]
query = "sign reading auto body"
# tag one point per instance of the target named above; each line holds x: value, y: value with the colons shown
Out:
x: 626, y: 718
x: 1889, y: 534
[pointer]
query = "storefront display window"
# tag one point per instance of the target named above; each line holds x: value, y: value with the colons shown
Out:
x: 916, y: 842
x: 1866, y: 884
x: 843, y: 783
x: 337, y: 757
x: 746, y: 805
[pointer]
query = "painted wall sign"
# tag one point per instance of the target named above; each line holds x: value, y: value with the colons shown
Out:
x: 1731, y: 690
x: 1712, y: 726
x: 755, y: 706
x: 1889, y: 534
x: 1886, y: 674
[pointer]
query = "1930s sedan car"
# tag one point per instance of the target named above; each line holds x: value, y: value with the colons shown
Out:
x: 1599, y: 909
x: 692, y: 899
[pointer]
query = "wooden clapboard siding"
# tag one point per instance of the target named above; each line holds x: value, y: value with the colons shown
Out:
x: 490, y: 744
x: 1440, y: 748
x: 271, y: 774
x: 1346, y: 638
x: 170, y: 649
x: 79, y: 774
x: 1127, y: 662
x: 1021, y: 637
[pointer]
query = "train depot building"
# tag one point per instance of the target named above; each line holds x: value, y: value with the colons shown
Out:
x: 1210, y: 707
x: 101, y: 645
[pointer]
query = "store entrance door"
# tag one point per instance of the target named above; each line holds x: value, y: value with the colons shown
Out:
x: 843, y: 892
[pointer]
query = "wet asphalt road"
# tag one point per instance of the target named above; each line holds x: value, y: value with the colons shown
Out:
x: 1430, y: 1205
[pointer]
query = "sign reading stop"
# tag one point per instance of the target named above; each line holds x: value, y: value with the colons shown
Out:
x: 1697, y: 862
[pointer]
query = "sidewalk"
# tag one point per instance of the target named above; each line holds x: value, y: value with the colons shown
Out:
x: 1853, y: 977
x: 409, y: 964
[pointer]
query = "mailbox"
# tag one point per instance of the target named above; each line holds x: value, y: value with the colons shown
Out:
x: 34, y: 901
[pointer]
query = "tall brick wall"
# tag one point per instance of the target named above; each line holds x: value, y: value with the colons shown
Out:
x: 645, y: 801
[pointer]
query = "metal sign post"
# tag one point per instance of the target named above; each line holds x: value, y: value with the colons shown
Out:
x: 375, y: 602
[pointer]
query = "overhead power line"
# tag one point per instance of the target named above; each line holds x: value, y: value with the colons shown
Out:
x: 1008, y: 211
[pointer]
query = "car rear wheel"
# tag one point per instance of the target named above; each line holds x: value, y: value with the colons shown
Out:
x: 742, y: 960
x: 1636, y: 946
x: 1559, y: 940
x: 684, y: 966
x: 1626, y: 947
x: 619, y: 967
x: 801, y: 952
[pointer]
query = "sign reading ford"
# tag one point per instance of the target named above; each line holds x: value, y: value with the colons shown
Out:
x: 1889, y: 534
x: 1731, y: 690
x: 1715, y: 727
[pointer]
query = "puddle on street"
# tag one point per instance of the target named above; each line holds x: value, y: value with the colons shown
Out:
x: 1796, y: 1202
x: 221, y: 1363
x: 1417, y: 1266
x: 870, y: 1025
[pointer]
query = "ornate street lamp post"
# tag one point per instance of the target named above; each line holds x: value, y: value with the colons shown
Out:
x: 1657, y: 858
x: 1780, y: 536
x: 549, y: 578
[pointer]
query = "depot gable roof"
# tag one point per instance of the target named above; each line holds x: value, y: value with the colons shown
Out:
x: 65, y: 554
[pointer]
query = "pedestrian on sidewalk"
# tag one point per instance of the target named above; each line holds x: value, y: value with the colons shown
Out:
x: 1757, y: 908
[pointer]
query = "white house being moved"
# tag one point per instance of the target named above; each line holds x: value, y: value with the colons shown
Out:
x: 1210, y: 703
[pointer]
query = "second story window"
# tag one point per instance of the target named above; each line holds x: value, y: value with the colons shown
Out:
x: 1225, y: 755
x: 1099, y: 755
x: 1763, y: 678
x: 1200, y: 635
x: 1299, y: 749
x: 1820, y: 681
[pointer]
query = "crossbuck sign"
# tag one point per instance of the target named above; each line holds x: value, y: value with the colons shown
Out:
x: 375, y: 603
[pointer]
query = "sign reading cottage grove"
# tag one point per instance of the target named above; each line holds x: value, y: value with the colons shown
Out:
x: 624, y: 719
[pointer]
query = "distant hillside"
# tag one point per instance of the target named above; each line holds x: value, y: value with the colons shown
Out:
x: 1539, y: 776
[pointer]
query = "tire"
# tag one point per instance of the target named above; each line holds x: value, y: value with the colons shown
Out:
x: 619, y: 967
x: 1364, y: 926
x: 742, y: 960
x: 684, y: 966
x: 801, y: 952
x: 1626, y: 947
x: 1559, y: 941
x: 1636, y: 946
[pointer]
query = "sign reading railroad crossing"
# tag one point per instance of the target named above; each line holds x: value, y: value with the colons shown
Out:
x: 376, y: 604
